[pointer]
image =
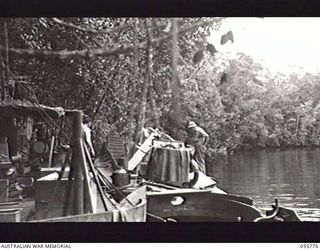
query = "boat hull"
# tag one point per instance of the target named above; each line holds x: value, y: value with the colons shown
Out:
x: 128, y: 214
x: 200, y: 205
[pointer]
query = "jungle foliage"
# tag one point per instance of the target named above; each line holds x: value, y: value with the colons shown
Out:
x: 132, y: 72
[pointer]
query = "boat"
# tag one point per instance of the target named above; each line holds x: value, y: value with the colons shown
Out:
x: 78, y: 189
x: 209, y: 205
x: 194, y: 197
x: 70, y: 191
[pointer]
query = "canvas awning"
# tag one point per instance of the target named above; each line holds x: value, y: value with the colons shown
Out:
x: 27, y: 108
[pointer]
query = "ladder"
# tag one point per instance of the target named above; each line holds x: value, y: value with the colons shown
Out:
x: 142, y: 150
x: 115, y: 145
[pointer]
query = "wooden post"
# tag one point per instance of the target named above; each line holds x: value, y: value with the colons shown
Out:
x: 77, y: 166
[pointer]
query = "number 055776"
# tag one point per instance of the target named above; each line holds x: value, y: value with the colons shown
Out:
x: 309, y: 245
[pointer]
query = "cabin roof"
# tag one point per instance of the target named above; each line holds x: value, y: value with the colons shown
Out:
x: 26, y: 108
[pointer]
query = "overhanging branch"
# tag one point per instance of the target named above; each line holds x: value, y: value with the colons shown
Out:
x: 88, y: 30
x: 89, y: 53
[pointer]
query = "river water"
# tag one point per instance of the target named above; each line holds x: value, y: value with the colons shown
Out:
x: 292, y: 176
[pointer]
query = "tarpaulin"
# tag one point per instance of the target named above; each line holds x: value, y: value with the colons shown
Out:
x: 170, y: 165
x: 27, y: 108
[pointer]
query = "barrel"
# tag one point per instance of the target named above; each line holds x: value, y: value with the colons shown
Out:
x: 120, y: 178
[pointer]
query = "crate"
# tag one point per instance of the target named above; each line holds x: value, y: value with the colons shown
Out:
x: 10, y: 215
x: 50, y: 197
x: 4, y: 190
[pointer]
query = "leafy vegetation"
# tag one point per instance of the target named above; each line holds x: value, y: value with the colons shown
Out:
x: 132, y: 72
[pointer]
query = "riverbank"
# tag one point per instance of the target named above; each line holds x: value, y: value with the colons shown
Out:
x: 248, y: 147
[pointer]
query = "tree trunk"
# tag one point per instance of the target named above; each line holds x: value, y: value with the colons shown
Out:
x: 317, y: 129
x: 143, y: 103
x: 175, y: 51
x: 4, y: 63
x: 7, y: 51
x: 297, y: 125
x: 133, y: 97
x: 175, y: 116
x: 3, y: 78
x: 154, y: 109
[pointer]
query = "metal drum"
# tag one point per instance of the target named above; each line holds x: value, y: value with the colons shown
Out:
x: 169, y: 164
x: 120, y: 178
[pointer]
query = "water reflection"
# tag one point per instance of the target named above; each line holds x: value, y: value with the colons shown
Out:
x: 291, y: 176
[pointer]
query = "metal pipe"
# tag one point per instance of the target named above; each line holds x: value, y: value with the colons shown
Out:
x: 159, y: 185
x: 51, y: 151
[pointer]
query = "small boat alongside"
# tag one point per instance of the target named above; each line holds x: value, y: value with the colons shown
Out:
x: 175, y: 194
x: 209, y: 205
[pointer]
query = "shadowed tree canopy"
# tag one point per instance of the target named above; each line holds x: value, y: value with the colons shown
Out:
x: 91, y: 63
x: 132, y: 72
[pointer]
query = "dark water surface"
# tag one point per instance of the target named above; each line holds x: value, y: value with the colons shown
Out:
x: 292, y: 176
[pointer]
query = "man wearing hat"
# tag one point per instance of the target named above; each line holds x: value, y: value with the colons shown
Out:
x: 197, y: 137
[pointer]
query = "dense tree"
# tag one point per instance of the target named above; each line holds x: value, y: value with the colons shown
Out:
x: 132, y: 72
x: 92, y: 63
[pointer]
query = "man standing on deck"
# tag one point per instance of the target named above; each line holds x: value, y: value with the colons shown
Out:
x: 86, y: 124
x: 197, y: 137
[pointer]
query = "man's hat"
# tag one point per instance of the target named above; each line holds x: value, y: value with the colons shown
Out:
x: 86, y: 119
x: 192, y: 124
